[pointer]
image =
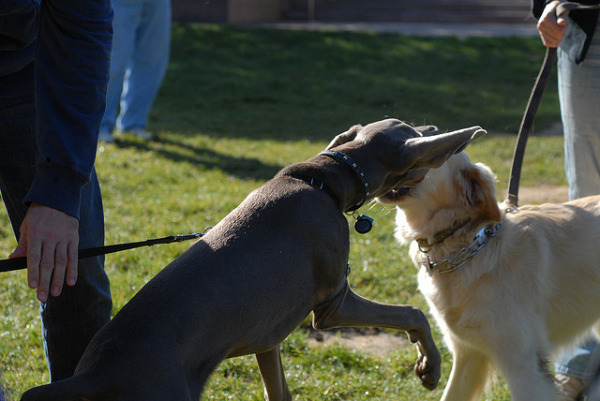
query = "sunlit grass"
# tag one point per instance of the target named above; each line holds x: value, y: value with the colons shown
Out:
x: 236, y: 106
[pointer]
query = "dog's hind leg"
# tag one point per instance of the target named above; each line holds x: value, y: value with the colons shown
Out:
x: 471, y: 374
x: 271, y: 371
x: 348, y: 309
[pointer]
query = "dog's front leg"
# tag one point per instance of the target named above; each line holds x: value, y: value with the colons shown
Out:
x: 271, y: 371
x: 470, y: 375
x: 348, y: 309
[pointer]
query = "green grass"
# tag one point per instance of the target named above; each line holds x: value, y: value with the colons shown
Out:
x: 236, y: 106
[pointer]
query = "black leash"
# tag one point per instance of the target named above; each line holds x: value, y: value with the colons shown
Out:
x: 21, y: 263
x: 533, y: 105
x: 527, y: 123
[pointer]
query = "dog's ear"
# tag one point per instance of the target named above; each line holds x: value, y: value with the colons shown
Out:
x: 344, y: 137
x: 433, y: 151
x: 479, y: 192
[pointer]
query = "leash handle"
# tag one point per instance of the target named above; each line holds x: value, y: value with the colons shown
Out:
x: 21, y: 263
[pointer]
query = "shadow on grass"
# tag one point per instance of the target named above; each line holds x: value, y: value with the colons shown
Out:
x: 202, y: 158
x: 291, y: 85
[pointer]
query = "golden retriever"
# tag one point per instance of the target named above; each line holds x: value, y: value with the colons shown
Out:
x: 509, y: 288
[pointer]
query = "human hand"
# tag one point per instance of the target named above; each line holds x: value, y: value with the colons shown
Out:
x: 552, y: 28
x: 49, y: 239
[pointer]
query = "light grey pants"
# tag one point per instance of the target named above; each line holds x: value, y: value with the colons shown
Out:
x: 579, y: 94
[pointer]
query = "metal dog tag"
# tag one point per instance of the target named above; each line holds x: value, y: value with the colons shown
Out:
x: 363, y: 224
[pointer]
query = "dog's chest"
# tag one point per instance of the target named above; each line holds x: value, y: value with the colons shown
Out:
x: 455, y: 306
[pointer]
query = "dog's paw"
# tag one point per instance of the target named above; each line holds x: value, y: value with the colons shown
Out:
x: 428, y: 370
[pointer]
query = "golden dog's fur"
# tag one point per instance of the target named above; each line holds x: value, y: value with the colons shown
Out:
x: 532, y: 290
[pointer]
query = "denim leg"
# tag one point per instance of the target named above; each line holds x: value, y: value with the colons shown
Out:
x: 579, y: 92
x: 70, y: 320
x: 127, y: 15
x: 148, y: 64
x: 577, y: 362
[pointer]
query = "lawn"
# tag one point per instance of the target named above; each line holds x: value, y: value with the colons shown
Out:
x: 239, y: 104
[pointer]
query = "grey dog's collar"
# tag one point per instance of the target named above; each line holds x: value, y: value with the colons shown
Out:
x: 461, y: 257
x: 356, y: 169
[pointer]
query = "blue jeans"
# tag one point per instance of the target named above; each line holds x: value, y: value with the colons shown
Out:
x: 69, y: 321
x: 579, y: 94
x: 140, y: 54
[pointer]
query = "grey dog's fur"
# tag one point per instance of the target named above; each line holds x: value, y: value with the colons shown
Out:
x: 256, y: 275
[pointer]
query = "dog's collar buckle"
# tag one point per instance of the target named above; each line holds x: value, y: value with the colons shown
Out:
x: 464, y: 255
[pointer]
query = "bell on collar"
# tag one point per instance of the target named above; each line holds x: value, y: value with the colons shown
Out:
x: 363, y: 224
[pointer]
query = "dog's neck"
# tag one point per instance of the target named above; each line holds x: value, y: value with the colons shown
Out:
x: 339, y: 178
x: 355, y: 168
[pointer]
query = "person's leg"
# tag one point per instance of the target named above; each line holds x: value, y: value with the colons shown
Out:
x: 70, y: 320
x: 127, y: 14
x: 574, y: 371
x: 579, y: 93
x: 148, y: 65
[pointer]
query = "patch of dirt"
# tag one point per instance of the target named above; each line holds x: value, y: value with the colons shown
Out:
x: 370, y: 341
x: 543, y: 194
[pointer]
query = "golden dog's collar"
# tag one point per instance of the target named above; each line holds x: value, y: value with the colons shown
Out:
x: 461, y: 257
x: 441, y: 236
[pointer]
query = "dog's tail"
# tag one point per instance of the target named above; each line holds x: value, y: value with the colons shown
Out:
x: 71, y: 389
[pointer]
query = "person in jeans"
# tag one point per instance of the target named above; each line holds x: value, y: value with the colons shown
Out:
x: 578, y: 54
x: 53, y: 78
x: 140, y: 54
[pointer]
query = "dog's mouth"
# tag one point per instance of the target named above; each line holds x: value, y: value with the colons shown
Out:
x: 402, y: 192
x: 397, y: 195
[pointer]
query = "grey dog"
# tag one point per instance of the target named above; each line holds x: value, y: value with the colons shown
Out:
x: 252, y: 279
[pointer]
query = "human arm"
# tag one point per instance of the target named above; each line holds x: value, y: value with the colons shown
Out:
x: 71, y: 73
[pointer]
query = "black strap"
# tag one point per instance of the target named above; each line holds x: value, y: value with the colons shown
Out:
x: 527, y: 123
x: 21, y: 263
